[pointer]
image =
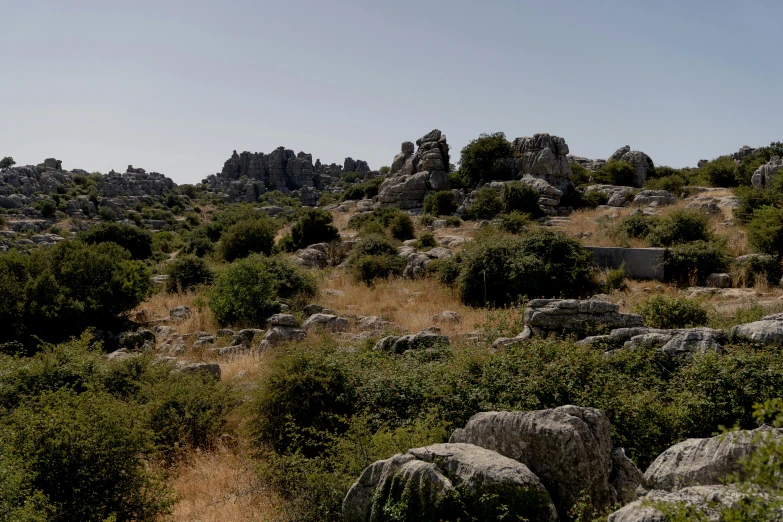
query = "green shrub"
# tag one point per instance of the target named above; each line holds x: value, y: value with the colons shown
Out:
x: 620, y: 173
x: 453, y: 222
x: 426, y: 220
x: 515, y: 223
x: 720, y: 172
x: 83, y: 453
x: 753, y: 268
x: 58, y: 292
x: 765, y: 231
x: 479, y: 159
x: 198, y: 243
x: 636, y: 225
x: 456, y: 181
x: 293, y: 282
x: 374, y: 245
x: 368, y: 189
x: 615, y: 279
x: 286, y: 244
x: 7, y: 162
x: 165, y: 242
x: 370, y: 268
x: 580, y: 176
x: 520, y: 197
x: 499, y: 269
x: 752, y: 199
x: 402, y: 227
x: 486, y: 204
x: 695, y: 261
x: 666, y: 178
x: 313, y: 226
x: 136, y: 241
x: 383, y: 216
x: 248, y: 237
x: 187, y: 272
x: 660, y: 311
x: 442, y: 203
x: 680, y: 226
x: 354, y: 192
x: 47, y: 208
x: 426, y: 241
x: 593, y: 199
x: 107, y: 213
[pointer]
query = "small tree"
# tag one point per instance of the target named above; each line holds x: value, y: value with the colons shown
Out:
x: 479, y: 158
x: 620, y: 173
x: 313, y: 226
x: 442, y: 203
x: 402, y: 227
x: 7, y: 162
x: 520, y: 197
x: 486, y: 204
x: 136, y: 241
x: 186, y: 272
x: 47, y: 208
x: 248, y: 237
x: 765, y: 231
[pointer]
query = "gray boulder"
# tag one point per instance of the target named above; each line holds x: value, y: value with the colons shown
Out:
x: 576, y: 316
x: 444, y: 481
x: 328, y: 322
x: 705, y: 500
x: 655, y: 198
x: 769, y: 330
x: 569, y: 448
x: 721, y: 280
x: 641, y: 162
x: 766, y: 173
x: 422, y: 340
x: 204, y: 368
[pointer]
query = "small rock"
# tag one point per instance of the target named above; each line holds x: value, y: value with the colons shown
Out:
x: 446, y: 316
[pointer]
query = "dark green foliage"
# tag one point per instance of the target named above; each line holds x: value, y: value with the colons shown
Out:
x: 368, y: 189
x: 426, y: 241
x: 765, y: 231
x: 661, y: 311
x: 47, y: 208
x: 620, y: 173
x: 696, y: 261
x: 442, y: 203
x: 456, y: 181
x: 7, y: 162
x: 313, y: 226
x: 133, y: 239
x: 592, y: 199
x: 720, y: 172
x: 752, y: 199
x: 758, y: 267
x: 57, y: 292
x: 453, y: 222
x: 486, y: 204
x: 520, y: 197
x: 373, y: 245
x: 107, y: 213
x: 514, y: 223
x: 615, y: 280
x: 198, y: 243
x: 369, y: 268
x: 383, y: 216
x: 402, y: 227
x: 637, y: 225
x: 252, y: 236
x: 478, y: 159
x: 580, y: 176
x: 353, y: 192
x: 541, y: 263
x: 246, y: 292
x: 679, y: 226
x: 165, y: 242
x: 187, y: 272
x: 666, y: 178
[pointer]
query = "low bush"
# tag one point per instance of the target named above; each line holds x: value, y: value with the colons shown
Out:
x: 255, y: 236
x: 442, y: 203
x: 515, y: 222
x: 486, y: 204
x: 580, y: 176
x: 620, y: 173
x: 47, y: 208
x: 107, y: 213
x: 695, y: 261
x: 313, y: 226
x: 453, y: 222
x: 426, y: 241
x: 402, y: 227
x: 593, y: 199
x: 198, y: 243
x: 135, y: 240
x: 369, y: 268
x: 679, y: 226
x: 765, y: 231
x: 721, y: 172
x: 665, y: 312
x: 752, y: 199
x: 520, y: 197
x: 615, y: 280
x: 668, y: 179
x: 636, y: 226
x: 187, y: 272
x: 750, y: 269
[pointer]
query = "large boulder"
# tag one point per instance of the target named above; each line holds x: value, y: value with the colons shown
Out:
x: 448, y: 482
x: 576, y: 316
x: 701, y: 462
x: 765, y: 173
x: 569, y: 448
x: 769, y: 330
x: 641, y: 162
x: 425, y: 339
x: 705, y: 500
x: 414, y: 174
x: 676, y: 343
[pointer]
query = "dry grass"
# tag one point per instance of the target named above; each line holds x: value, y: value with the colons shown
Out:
x: 410, y: 304
x: 219, y: 486
x: 202, y: 320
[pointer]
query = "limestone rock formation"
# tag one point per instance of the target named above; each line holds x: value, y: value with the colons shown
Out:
x: 569, y: 448
x: 654, y: 198
x: 705, y: 500
x: 769, y: 330
x: 576, y: 316
x: 446, y: 481
x: 414, y: 174
x: 641, y: 162
x: 330, y: 322
x: 430, y: 338
x: 767, y: 172
x: 676, y: 343
x: 545, y: 157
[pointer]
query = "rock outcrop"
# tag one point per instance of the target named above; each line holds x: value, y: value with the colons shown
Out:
x: 675, y: 343
x: 769, y: 330
x: 414, y: 174
x: 705, y: 500
x: 575, y: 316
x: 641, y: 162
x: 430, y: 338
x: 568, y: 448
x: 445, y: 482
x: 766, y: 173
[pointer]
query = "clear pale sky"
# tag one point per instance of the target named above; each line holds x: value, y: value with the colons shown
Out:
x: 175, y: 86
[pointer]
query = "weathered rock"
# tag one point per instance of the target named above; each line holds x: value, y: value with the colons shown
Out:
x: 282, y: 320
x: 569, y: 448
x: 576, y: 316
x: 618, y: 196
x: 769, y: 330
x: 642, y: 163
x: 280, y: 334
x: 313, y: 309
x: 705, y: 500
x: 656, y: 198
x: 447, y: 316
x: 328, y: 322
x: 721, y: 280
x: 701, y: 462
x: 181, y: 312
x: 422, y: 340
x: 705, y: 204
x: 675, y: 343
x: 440, y: 477
x: 204, y: 368
x: 767, y: 172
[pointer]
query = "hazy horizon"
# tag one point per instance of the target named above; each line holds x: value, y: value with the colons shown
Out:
x: 176, y: 88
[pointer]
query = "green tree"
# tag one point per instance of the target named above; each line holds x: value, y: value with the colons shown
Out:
x: 133, y: 239
x: 7, y: 162
x: 765, y: 231
x: 248, y: 237
x: 187, y: 272
x: 479, y: 158
x: 313, y: 226
x: 620, y: 173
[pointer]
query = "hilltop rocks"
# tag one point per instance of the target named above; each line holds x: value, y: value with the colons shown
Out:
x: 134, y: 182
x: 765, y: 173
x: 440, y: 481
x: 414, y: 174
x: 642, y: 163
x: 568, y: 448
x: 545, y: 157
x: 545, y: 316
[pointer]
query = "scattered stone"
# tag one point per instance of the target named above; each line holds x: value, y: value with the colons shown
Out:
x: 656, y: 198
x: 422, y: 340
x: 180, y: 313
x: 323, y: 321
x: 446, y: 316
x: 204, y: 368
x: 721, y: 280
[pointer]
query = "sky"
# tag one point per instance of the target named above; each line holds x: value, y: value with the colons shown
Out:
x: 175, y: 86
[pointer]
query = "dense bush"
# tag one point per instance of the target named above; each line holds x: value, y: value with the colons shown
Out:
x: 313, y: 226
x: 615, y: 280
x: 753, y: 268
x: 254, y: 236
x: 765, y: 231
x: 498, y: 269
x: 246, y: 292
x: 721, y: 172
x: 679, y: 226
x: 402, y: 227
x: 426, y: 241
x: 620, y: 173
x: 580, y: 176
x: 661, y: 311
x: 107, y: 213
x: 7, y: 162
x: 695, y: 261
x: 592, y: 199
x: 520, y: 197
x: 198, y: 243
x: 383, y: 216
x: 57, y: 292
x: 486, y: 204
x: 47, y: 208
x: 637, y: 225
x: 752, y: 199
x: 514, y: 223
x: 479, y: 159
x: 368, y: 189
x: 667, y: 178
x: 187, y: 272
x: 441, y: 203
x: 373, y: 258
x: 135, y: 240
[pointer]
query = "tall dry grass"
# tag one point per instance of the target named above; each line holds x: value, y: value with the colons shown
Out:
x: 202, y: 320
